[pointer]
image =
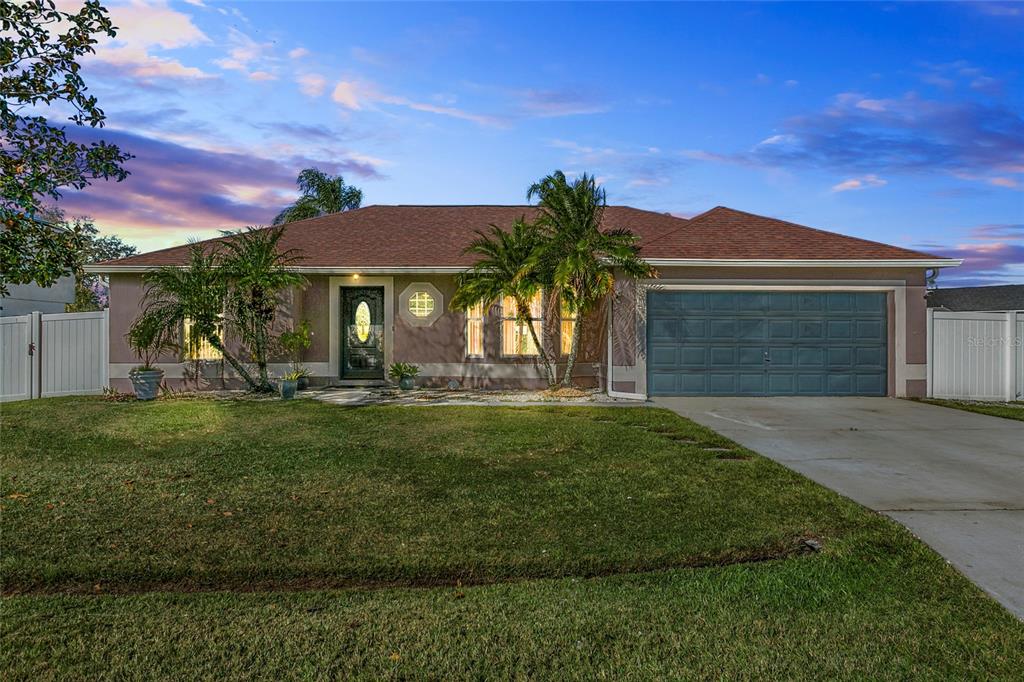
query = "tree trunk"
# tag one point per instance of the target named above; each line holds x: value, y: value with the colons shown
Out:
x: 549, y: 370
x: 577, y: 334
x: 214, y: 341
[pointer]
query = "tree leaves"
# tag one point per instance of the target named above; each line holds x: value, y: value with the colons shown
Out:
x: 38, y: 67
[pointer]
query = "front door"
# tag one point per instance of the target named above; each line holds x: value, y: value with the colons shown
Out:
x: 362, y: 336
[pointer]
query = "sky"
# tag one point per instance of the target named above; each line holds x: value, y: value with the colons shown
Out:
x: 901, y: 123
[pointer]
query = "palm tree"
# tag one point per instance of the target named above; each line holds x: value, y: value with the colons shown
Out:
x: 506, y: 267
x: 257, y: 274
x: 321, y: 194
x: 197, y: 294
x: 577, y: 256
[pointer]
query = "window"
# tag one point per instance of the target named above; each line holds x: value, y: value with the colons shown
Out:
x: 568, y: 326
x: 475, y: 331
x: 515, y: 335
x: 198, y: 349
x: 421, y: 304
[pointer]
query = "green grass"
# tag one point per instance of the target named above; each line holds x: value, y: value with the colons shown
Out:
x: 211, y: 539
x: 1012, y: 410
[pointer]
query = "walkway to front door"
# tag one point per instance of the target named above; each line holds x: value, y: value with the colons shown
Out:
x: 954, y: 478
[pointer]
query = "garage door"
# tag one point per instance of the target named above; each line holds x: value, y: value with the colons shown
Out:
x: 766, y: 343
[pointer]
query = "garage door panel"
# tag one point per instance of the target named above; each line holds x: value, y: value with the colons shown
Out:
x: 694, y: 330
x: 724, y: 329
x: 663, y: 329
x: 752, y: 329
x: 767, y: 343
x: 869, y: 357
x: 667, y: 356
x: 869, y: 330
x: 783, y: 330
x: 694, y: 357
x: 813, y: 357
x: 870, y: 384
x: 839, y: 356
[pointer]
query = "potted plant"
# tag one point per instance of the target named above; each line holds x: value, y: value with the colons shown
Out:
x: 289, y: 383
x: 293, y: 343
x: 148, y: 339
x: 405, y: 374
x: 303, y: 374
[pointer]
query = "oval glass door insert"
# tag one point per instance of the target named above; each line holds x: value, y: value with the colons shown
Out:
x: 363, y: 321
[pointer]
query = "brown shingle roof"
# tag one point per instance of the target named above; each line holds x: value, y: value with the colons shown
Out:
x: 435, y: 236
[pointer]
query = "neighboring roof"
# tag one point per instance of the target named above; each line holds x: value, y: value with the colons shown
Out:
x: 1003, y: 297
x: 435, y: 237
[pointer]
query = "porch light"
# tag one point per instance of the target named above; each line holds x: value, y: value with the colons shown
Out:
x: 355, y: 276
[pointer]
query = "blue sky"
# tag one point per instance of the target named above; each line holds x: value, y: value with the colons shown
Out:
x: 896, y: 122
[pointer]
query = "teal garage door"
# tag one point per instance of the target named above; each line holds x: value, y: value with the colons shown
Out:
x: 766, y: 343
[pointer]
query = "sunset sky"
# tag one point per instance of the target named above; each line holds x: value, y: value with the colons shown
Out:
x: 895, y: 122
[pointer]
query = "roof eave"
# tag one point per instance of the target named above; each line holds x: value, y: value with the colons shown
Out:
x: 808, y: 262
x: 112, y: 269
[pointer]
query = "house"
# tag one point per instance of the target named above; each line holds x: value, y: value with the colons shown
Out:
x: 744, y: 305
x: 22, y: 299
x: 968, y: 299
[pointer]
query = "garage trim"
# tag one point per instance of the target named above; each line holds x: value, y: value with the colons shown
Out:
x: 900, y: 369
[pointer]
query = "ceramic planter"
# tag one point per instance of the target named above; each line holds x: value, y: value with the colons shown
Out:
x: 407, y: 383
x: 146, y: 382
x: 288, y: 387
x: 303, y: 383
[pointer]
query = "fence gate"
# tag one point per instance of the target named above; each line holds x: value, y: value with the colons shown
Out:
x: 976, y: 356
x: 43, y: 356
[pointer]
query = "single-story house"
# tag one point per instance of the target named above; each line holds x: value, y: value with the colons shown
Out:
x: 743, y: 305
x: 22, y: 299
x: 978, y: 299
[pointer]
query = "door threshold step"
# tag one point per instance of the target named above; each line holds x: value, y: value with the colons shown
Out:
x: 358, y: 384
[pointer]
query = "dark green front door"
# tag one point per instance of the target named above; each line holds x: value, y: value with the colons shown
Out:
x: 362, y: 335
x: 766, y: 343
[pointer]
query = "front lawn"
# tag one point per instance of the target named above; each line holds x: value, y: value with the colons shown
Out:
x: 1014, y: 410
x: 302, y: 539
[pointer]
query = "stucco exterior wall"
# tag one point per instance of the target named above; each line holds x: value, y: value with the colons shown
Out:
x: 907, y: 324
x: 438, y: 348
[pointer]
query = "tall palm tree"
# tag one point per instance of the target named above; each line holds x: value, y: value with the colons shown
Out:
x: 196, y: 293
x: 506, y: 267
x: 258, y: 274
x: 577, y: 255
x: 321, y: 194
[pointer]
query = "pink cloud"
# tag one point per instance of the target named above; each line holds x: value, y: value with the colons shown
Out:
x: 176, y: 190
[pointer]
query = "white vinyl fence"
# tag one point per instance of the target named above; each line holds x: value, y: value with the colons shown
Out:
x: 976, y: 356
x: 43, y: 356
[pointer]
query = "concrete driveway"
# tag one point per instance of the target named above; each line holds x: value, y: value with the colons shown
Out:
x: 954, y: 478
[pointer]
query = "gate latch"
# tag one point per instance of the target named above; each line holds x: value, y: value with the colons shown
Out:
x: 31, y: 348
x: 766, y: 358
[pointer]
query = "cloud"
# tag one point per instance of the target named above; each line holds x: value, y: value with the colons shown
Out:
x: 142, y: 29
x: 137, y: 63
x: 358, y: 95
x: 154, y: 24
x: 948, y: 75
x: 998, y: 9
x: 640, y: 168
x: 312, y: 84
x: 302, y: 131
x: 561, y: 102
x: 298, y: 53
x: 863, y: 182
x: 244, y: 51
x: 855, y: 133
x: 993, y: 254
x: 175, y: 189
x: 345, y: 94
